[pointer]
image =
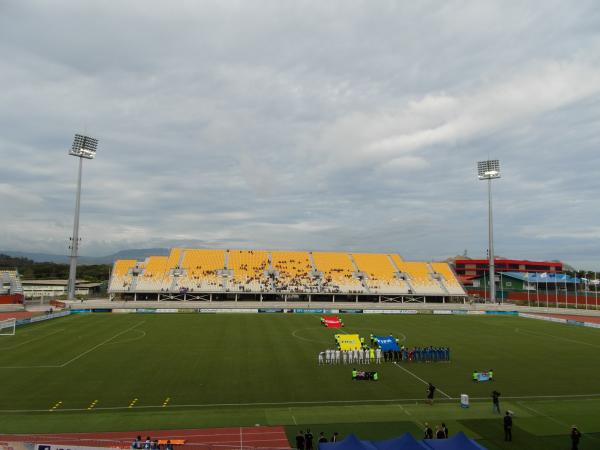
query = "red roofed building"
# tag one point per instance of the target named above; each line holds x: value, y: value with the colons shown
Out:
x: 468, y: 269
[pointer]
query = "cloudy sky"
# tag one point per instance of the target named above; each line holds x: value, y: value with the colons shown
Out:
x: 346, y: 125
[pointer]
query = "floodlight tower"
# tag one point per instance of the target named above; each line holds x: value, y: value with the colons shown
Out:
x: 490, y: 170
x: 83, y: 147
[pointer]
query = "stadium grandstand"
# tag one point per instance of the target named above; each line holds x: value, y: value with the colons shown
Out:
x: 209, y: 274
x: 11, y: 290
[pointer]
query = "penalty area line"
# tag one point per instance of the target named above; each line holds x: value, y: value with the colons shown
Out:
x: 101, y: 344
x: 421, y: 380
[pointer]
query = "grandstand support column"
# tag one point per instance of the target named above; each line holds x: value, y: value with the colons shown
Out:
x: 135, y: 296
x: 379, y: 299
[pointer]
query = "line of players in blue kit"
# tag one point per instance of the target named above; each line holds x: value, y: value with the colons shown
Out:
x: 425, y: 354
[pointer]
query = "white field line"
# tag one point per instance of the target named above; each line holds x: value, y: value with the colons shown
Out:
x: 347, y: 403
x: 540, y: 413
x: 101, y: 344
x: 11, y: 347
x: 172, y: 436
x: 538, y: 334
x: 59, y: 366
x: 421, y: 380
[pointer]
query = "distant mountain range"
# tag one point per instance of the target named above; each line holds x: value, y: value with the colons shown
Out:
x: 135, y: 253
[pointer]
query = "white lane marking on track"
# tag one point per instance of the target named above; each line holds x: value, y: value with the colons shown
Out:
x: 76, y: 357
x: 566, y: 397
x: 538, y: 334
x: 421, y: 380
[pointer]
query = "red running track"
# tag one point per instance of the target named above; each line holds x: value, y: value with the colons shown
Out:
x: 17, y: 315
x: 196, y: 439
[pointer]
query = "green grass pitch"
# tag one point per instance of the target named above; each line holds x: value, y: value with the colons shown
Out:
x: 111, y: 372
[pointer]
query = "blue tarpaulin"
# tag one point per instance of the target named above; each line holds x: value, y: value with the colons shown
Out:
x: 457, y: 442
x: 405, y: 442
x: 386, y: 343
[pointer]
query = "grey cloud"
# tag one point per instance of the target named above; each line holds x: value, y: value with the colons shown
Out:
x: 319, y: 125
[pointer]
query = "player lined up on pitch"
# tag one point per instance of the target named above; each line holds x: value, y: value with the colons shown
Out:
x: 352, y: 350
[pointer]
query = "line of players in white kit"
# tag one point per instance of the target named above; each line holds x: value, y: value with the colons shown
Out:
x: 356, y: 356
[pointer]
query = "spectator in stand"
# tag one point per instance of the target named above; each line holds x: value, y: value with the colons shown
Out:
x: 169, y: 446
x: 137, y: 443
x: 148, y: 443
x: 300, y: 440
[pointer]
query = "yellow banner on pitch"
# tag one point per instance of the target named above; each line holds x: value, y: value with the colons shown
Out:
x: 348, y: 341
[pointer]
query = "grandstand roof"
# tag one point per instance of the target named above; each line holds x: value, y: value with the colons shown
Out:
x: 542, y: 277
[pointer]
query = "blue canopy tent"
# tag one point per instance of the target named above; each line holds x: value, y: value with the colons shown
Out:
x: 386, y: 343
x: 350, y: 442
x: 457, y: 442
x: 404, y: 442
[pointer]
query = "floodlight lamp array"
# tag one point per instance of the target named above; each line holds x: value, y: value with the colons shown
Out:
x: 487, y: 170
x: 84, y: 146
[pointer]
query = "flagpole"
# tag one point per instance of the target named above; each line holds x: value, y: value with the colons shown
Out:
x: 546, y: 291
x: 576, y: 302
x: 585, y: 286
x: 556, y: 289
x: 566, y: 289
x: 537, y: 292
x: 596, y: 289
x: 528, y: 286
x: 484, y: 288
x: 501, y: 290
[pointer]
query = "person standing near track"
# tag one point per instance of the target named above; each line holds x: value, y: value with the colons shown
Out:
x: 308, y: 440
x: 428, y: 432
x: 508, y: 423
x: 575, y: 438
x: 338, y: 356
x: 300, y: 440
